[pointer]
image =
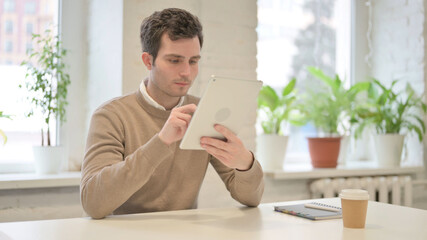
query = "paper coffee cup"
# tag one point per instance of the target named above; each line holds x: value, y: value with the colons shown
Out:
x: 354, y: 204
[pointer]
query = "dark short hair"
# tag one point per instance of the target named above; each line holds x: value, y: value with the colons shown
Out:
x: 177, y: 23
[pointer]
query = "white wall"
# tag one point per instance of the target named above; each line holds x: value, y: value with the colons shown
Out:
x: 397, y: 53
x: 74, y: 37
x: 105, y: 51
x: 397, y: 41
x: 39, y: 203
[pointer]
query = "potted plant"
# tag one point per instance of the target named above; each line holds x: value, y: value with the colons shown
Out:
x: 392, y: 114
x: 329, y: 110
x: 46, y: 85
x: 274, y: 112
x: 2, y: 115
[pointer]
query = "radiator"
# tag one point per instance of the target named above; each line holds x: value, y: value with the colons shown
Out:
x: 392, y: 189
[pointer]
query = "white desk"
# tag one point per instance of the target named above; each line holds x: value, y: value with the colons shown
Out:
x: 383, y: 222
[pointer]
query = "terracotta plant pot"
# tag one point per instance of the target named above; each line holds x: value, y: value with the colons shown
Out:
x: 324, y: 151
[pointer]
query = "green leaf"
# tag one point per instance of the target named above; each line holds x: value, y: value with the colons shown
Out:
x: 289, y: 88
x: 268, y: 97
x: 391, y: 111
x: 320, y: 75
x: 46, y: 81
x: 424, y: 107
x: 380, y: 85
x: 420, y: 122
x: 266, y: 126
x: 358, y: 88
x: 417, y: 131
x: 334, y: 108
x: 273, y: 109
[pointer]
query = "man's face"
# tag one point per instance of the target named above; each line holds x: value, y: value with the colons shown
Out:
x: 175, y: 68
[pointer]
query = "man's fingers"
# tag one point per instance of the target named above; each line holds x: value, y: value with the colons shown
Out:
x: 178, y: 122
x: 183, y: 116
x: 226, y: 132
x: 189, y: 108
x: 217, y: 153
x: 213, y: 142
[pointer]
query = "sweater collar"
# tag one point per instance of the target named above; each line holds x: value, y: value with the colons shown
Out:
x: 150, y: 100
x: 155, y: 111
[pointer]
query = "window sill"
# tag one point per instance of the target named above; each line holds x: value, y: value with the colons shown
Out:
x: 32, y: 180
x: 351, y: 169
x: 290, y: 171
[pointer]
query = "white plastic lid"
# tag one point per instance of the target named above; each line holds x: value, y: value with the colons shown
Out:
x: 354, y: 194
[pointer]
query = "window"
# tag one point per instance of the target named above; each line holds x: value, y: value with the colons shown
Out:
x: 8, y: 46
x: 30, y: 7
x: 8, y: 26
x: 9, y: 6
x: 295, y: 34
x: 29, y: 29
x: 22, y: 132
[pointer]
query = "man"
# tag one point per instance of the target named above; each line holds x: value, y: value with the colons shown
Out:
x: 133, y: 162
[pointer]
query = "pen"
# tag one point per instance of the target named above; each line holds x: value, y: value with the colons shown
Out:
x: 322, y: 207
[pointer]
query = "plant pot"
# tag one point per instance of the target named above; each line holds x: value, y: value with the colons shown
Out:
x: 48, y: 160
x: 324, y: 151
x: 271, y: 150
x: 388, y: 149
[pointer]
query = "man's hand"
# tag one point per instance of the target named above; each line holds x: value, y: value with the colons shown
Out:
x: 231, y: 152
x: 177, y: 124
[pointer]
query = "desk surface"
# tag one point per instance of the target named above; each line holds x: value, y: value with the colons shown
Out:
x: 384, y: 221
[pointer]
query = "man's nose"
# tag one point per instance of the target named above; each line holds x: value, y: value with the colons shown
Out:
x: 185, y: 70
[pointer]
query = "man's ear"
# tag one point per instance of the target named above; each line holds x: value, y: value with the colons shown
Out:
x: 147, y: 59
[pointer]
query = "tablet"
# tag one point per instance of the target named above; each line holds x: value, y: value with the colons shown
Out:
x: 225, y: 101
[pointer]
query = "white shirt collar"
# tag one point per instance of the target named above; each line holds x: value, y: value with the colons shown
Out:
x: 151, y: 101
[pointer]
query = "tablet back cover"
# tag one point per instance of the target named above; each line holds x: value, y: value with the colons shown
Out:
x: 226, y: 101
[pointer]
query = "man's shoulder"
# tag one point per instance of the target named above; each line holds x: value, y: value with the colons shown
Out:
x: 118, y: 102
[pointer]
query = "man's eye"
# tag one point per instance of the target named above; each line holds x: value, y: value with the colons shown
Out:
x: 192, y: 62
x: 174, y: 60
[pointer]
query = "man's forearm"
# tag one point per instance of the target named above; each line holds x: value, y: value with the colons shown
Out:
x: 107, y: 184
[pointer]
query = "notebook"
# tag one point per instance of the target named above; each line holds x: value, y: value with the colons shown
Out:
x: 310, y: 213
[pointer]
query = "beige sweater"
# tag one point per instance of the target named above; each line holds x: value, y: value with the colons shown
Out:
x: 128, y: 169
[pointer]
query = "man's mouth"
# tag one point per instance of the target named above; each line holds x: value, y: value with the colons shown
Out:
x: 182, y: 83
